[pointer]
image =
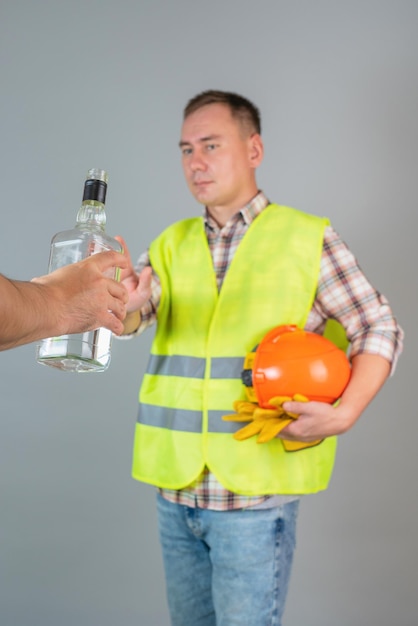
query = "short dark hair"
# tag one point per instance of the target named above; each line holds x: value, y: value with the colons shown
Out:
x: 244, y: 111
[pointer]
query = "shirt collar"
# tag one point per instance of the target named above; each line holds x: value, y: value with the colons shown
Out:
x: 247, y: 214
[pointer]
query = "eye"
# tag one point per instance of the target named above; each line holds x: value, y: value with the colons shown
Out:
x: 186, y: 151
x: 210, y: 147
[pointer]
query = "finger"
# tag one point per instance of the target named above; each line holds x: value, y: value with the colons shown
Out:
x: 117, y: 308
x: 118, y: 297
x: 237, y: 417
x: 266, y: 414
x: 294, y: 409
x: 110, y: 321
x: 125, y: 250
x: 277, y: 401
x: 112, y: 258
x: 129, y: 269
x: 242, y: 406
x: 253, y: 428
x: 299, y: 397
x: 105, y: 261
x: 143, y: 289
x: 117, y: 291
x: 123, y: 244
x: 145, y: 279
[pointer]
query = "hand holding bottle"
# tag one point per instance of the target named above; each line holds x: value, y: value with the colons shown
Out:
x: 80, y: 297
x: 87, y: 351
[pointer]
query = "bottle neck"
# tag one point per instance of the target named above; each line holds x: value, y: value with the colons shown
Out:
x: 91, y: 215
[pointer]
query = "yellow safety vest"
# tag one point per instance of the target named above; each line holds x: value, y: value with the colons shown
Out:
x: 202, y: 337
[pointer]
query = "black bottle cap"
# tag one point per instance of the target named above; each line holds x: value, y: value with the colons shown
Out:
x: 95, y: 190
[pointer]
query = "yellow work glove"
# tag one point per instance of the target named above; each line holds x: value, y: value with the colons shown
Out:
x: 267, y: 423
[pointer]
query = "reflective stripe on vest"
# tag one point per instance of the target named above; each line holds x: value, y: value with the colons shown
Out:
x: 184, y: 420
x: 193, y: 367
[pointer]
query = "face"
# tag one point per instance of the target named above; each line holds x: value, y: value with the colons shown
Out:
x: 219, y: 159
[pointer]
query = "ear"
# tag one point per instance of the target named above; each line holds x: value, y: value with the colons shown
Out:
x: 255, y: 150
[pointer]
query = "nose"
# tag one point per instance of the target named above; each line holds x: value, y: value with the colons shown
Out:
x: 196, y: 162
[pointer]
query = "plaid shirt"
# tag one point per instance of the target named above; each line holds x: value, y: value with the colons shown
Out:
x: 343, y: 293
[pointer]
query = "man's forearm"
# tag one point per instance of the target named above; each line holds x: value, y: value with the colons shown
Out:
x: 369, y: 372
x: 24, y: 313
x: 318, y: 420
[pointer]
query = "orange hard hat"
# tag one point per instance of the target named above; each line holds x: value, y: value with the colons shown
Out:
x: 291, y: 361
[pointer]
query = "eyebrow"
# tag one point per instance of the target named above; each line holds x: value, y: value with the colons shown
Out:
x: 201, y: 140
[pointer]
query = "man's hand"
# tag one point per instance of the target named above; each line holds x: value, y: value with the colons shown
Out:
x: 138, y: 287
x: 268, y: 423
x: 81, y: 297
x: 316, y: 420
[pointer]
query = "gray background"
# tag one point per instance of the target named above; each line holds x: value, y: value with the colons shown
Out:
x: 102, y: 84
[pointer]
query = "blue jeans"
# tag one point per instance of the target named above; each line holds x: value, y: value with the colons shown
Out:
x: 226, y: 568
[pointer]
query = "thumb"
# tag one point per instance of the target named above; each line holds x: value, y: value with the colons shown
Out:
x: 295, y: 406
x: 125, y: 249
x: 121, y: 241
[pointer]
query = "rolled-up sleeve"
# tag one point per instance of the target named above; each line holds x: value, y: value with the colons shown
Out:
x: 345, y: 294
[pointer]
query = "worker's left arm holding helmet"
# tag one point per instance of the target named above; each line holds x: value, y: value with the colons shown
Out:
x: 318, y: 420
x: 375, y: 336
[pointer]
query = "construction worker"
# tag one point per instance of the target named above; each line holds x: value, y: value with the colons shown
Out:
x: 216, y: 285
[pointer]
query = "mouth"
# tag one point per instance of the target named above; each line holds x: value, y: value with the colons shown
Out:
x: 201, y: 183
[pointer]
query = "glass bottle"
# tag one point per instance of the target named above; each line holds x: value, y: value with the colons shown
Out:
x: 88, y: 351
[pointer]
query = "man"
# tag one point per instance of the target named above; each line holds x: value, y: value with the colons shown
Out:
x: 72, y: 299
x: 227, y: 509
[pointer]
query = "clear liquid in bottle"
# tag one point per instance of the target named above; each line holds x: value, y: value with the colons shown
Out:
x: 89, y: 351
